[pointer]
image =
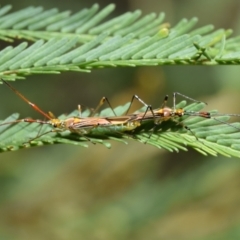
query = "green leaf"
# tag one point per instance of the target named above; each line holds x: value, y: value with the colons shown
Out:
x: 207, y: 136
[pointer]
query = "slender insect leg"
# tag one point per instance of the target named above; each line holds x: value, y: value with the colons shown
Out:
x: 148, y: 107
x: 189, y: 129
x: 211, y: 116
x: 39, y: 131
x: 140, y: 100
x: 177, y: 123
x: 79, y: 111
x: 229, y: 124
x: 29, y: 120
x: 105, y: 99
x: 102, y: 101
x: 182, y: 95
x: 38, y: 136
x: 164, y: 104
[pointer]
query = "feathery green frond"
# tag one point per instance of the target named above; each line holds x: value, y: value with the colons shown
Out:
x: 82, y: 41
x: 206, y: 136
x: 58, y: 55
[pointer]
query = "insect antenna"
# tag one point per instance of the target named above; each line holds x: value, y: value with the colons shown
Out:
x: 33, y: 105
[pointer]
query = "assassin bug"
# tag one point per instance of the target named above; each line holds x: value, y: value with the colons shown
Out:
x: 80, y: 125
x: 166, y: 113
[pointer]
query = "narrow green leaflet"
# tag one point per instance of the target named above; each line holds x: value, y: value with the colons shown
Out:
x: 207, y: 136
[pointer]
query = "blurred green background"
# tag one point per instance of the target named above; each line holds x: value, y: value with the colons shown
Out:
x: 132, y: 191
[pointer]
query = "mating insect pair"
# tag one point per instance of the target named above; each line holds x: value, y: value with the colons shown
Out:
x: 126, y: 124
